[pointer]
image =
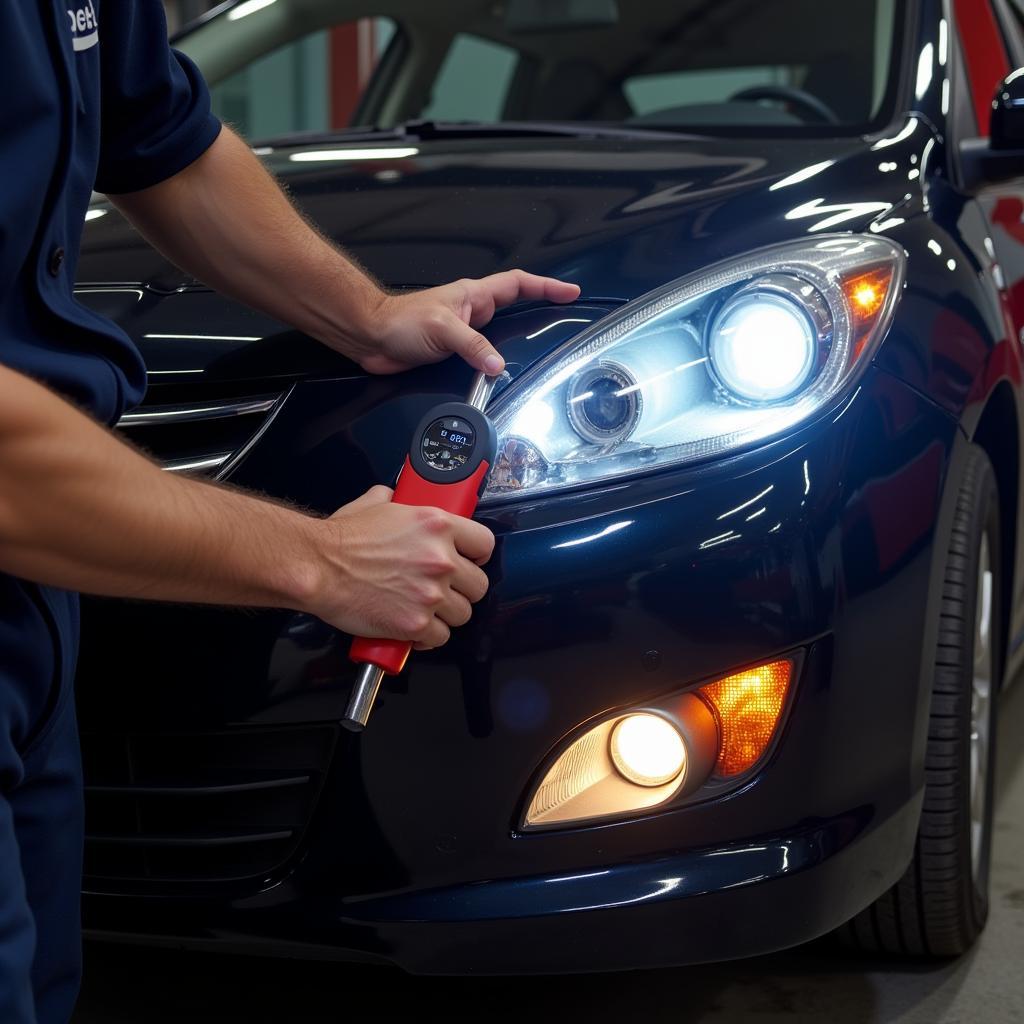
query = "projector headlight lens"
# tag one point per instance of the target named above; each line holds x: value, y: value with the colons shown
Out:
x: 604, y: 404
x: 765, y: 343
x: 717, y: 361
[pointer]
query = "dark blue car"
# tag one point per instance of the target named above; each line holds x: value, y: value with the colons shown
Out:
x: 755, y: 588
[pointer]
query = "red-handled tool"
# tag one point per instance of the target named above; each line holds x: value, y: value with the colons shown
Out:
x: 451, y: 454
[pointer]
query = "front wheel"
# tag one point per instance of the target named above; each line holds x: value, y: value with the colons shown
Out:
x: 940, y: 905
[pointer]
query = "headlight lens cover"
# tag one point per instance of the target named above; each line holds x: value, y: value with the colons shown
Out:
x: 707, y: 364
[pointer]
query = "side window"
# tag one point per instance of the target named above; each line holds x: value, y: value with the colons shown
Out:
x: 984, y: 54
x: 648, y: 93
x: 473, y: 82
x: 313, y: 83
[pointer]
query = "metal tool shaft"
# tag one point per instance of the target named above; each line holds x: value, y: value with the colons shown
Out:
x: 364, y: 693
x: 481, y: 390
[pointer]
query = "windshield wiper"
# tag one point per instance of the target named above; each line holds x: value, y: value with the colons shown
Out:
x: 424, y: 130
x: 505, y: 129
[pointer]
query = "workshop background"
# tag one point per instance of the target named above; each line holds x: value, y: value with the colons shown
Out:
x: 181, y: 11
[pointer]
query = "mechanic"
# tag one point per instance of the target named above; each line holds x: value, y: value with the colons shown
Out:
x: 93, y: 97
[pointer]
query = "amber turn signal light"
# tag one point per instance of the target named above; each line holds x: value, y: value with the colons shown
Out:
x: 867, y: 293
x: 748, y: 706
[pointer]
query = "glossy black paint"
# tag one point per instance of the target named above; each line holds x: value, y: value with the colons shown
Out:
x: 413, y: 854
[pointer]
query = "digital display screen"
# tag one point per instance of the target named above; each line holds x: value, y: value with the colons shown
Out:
x: 448, y: 443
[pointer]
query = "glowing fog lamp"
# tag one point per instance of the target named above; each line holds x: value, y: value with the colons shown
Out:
x: 647, y: 750
x: 691, y: 744
x: 628, y: 763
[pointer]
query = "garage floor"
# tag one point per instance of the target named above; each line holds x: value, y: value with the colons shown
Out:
x: 810, y: 984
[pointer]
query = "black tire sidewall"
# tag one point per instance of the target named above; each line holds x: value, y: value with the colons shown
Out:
x: 987, y: 520
x: 978, y: 509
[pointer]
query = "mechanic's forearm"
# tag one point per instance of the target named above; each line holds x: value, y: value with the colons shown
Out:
x: 226, y: 221
x: 80, y: 509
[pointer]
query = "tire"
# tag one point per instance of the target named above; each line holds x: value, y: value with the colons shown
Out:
x: 940, y: 905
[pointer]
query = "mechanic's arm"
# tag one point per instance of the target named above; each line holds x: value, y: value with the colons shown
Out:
x: 225, y: 220
x: 81, y: 509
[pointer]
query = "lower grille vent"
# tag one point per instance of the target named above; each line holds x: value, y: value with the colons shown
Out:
x: 198, y: 812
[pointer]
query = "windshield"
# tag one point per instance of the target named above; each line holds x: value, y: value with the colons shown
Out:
x: 279, y: 67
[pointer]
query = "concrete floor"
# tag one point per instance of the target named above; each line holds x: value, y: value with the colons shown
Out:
x: 814, y: 983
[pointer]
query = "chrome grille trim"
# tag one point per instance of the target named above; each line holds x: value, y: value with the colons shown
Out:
x: 188, y: 413
x: 237, y: 457
x: 187, y: 465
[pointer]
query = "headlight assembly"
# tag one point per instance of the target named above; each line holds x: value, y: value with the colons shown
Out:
x: 713, y: 362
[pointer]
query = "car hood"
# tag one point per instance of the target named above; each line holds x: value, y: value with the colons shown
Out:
x: 617, y: 216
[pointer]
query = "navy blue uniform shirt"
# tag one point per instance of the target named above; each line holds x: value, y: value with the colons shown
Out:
x: 93, y: 98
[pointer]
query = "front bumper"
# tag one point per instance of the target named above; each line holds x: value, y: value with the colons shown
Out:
x: 414, y: 855
x: 677, y: 908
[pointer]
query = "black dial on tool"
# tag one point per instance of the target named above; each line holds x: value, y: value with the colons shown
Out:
x: 448, y: 443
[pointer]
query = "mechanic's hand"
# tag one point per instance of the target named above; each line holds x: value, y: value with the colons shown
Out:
x: 400, y: 571
x: 428, y: 326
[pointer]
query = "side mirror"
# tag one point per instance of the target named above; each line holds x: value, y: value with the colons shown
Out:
x: 1007, y: 128
x: 1000, y: 157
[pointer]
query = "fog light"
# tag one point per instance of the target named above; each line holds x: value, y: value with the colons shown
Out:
x: 647, y: 750
x: 688, y: 743
x: 748, y: 706
x: 627, y: 763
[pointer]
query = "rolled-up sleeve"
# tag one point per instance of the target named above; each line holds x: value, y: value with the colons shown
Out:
x: 155, y: 106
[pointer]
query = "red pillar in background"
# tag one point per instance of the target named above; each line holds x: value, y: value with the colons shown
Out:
x: 984, y: 55
x: 353, y: 53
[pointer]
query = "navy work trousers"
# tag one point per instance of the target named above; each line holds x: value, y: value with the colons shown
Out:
x: 40, y: 805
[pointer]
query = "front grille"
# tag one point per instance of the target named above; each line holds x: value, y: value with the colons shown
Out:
x: 198, y: 435
x: 194, y: 814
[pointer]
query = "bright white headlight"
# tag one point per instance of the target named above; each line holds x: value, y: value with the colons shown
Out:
x: 764, y: 344
x: 724, y: 358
